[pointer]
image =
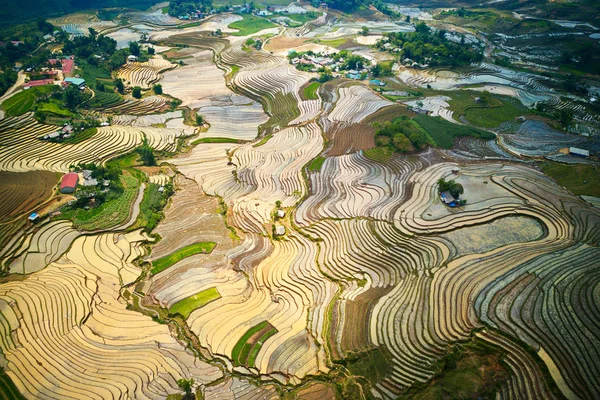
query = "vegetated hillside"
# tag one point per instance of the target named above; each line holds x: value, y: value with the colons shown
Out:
x: 579, y: 10
x: 13, y: 12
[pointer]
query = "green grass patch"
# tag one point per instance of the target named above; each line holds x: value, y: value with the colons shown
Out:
x: 152, y: 205
x: 186, y: 306
x: 444, y: 132
x: 167, y: 261
x: 256, y: 348
x: 92, y: 73
x: 8, y: 390
x: 245, y: 350
x: 310, y: 92
x: 372, y: 364
x: 316, y: 164
x: 333, y: 42
x: 467, y: 371
x: 125, y: 161
x: 24, y: 101
x: 579, y: 179
x: 54, y: 107
x: 214, y: 140
x: 250, y: 25
x: 301, y: 19
x: 105, y: 99
x: 114, y: 211
x: 489, y: 114
x: 381, y: 154
x: 263, y: 141
x: 81, y: 136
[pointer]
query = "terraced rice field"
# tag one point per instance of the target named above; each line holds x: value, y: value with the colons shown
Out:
x: 375, y: 282
x: 144, y: 74
x: 22, y: 192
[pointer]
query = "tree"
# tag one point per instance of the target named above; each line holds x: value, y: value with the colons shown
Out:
x: 401, y: 142
x: 455, y: 189
x: 146, y: 153
x: 199, y: 119
x: 134, y: 48
x: 364, y: 31
x: 151, y: 51
x: 100, y: 86
x: 137, y: 92
x: 157, y: 89
x: 407, y: 20
x: 72, y: 97
x: 119, y: 86
x: 186, y: 385
x: 93, y: 32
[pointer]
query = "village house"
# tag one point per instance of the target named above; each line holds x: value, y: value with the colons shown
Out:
x: 69, y: 183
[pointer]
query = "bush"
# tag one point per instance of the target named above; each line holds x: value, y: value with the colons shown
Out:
x: 157, y: 89
x: 137, y: 92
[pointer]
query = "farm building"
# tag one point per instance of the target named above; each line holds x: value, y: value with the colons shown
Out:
x: 279, y: 230
x: 75, y: 81
x: 280, y: 213
x: 39, y: 82
x: 377, y: 82
x: 579, y: 152
x: 131, y: 58
x: 69, y: 182
x: 448, y: 199
x: 67, y: 65
x: 33, y: 217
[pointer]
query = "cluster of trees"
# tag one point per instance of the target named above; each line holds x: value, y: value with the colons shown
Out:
x: 101, y: 173
x: 351, y: 61
x: 455, y: 188
x: 184, y: 7
x: 427, y: 47
x: 382, y: 69
x: 401, y: 135
x: 146, y: 153
x: 257, y: 44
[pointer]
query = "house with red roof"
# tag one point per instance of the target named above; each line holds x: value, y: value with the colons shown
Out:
x: 67, y: 65
x: 69, y: 182
x: 39, y: 82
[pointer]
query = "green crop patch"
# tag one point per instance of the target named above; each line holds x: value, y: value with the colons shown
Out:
x: 214, y: 140
x: 316, y: 164
x: 81, y: 136
x: 250, y: 25
x: 247, y: 348
x: 186, y: 306
x: 24, y: 101
x: 197, y: 248
x: 444, y: 132
x: 310, y: 92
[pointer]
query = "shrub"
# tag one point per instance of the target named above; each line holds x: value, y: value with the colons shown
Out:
x: 137, y: 92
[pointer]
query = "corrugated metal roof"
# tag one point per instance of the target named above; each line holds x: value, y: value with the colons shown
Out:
x: 69, y: 180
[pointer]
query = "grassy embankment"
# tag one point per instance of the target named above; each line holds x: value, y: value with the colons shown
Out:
x: 444, y: 132
x: 186, y: 306
x: 215, y: 140
x: 250, y: 25
x: 490, y: 114
x: 24, y: 101
x: 579, y: 179
x: 167, y: 261
x: 316, y: 164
